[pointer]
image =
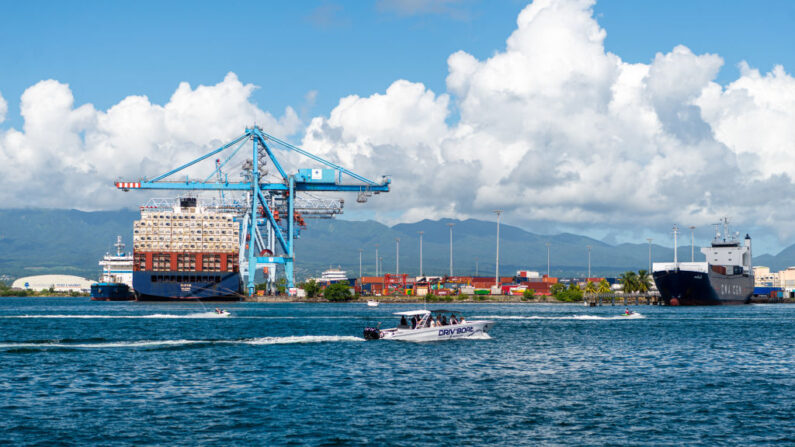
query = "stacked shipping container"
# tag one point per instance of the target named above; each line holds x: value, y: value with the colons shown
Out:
x: 189, y: 251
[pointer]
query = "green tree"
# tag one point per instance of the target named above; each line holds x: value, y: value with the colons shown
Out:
x: 590, y: 288
x: 629, y: 281
x: 528, y: 294
x: 338, y: 292
x: 556, y: 289
x: 604, y: 286
x: 643, y: 281
x: 570, y: 294
x: 310, y: 287
x: 281, y: 285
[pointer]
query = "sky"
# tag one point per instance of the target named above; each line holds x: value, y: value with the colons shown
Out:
x: 613, y: 119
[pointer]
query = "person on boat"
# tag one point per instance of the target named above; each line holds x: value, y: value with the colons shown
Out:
x: 431, y: 322
x: 403, y: 322
x: 217, y: 310
x: 453, y: 319
x: 462, y: 320
x: 627, y: 311
x: 443, y: 320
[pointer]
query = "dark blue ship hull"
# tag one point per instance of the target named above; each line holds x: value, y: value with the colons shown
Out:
x: 111, y: 291
x: 187, y: 286
x: 688, y: 288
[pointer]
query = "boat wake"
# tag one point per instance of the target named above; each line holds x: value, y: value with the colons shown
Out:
x: 156, y: 344
x: 192, y: 315
x: 482, y: 336
x: 302, y: 339
x: 635, y: 316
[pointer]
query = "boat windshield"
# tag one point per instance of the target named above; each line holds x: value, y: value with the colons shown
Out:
x: 427, y: 319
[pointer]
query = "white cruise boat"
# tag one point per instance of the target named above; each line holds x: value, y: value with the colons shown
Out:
x: 431, y: 325
x: 333, y: 275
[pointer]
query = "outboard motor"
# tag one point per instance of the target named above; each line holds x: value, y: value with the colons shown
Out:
x: 372, y: 333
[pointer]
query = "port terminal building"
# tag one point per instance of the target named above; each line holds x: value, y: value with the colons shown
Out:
x: 59, y: 283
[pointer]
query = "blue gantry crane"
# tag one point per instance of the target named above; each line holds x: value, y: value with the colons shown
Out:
x: 269, y: 208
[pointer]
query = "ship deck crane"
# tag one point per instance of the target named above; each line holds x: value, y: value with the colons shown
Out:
x: 270, y: 207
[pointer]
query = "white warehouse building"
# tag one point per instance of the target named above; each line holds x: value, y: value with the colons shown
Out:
x: 59, y: 283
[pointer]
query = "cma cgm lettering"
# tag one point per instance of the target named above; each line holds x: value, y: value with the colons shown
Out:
x: 186, y: 251
x: 456, y: 331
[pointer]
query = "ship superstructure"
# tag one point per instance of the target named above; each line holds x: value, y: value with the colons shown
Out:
x: 115, y: 283
x: 186, y: 250
x: 117, y: 268
x: 726, y: 277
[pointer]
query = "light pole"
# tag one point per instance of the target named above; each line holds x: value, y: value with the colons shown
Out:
x: 649, y: 239
x: 547, y: 244
x: 376, y: 260
x: 451, y: 225
x: 397, y: 256
x: 421, y: 233
x: 360, y: 264
x: 381, y: 262
x: 497, y: 272
x: 692, y: 245
x: 589, y: 262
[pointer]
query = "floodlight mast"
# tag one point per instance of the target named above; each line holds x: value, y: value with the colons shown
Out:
x: 261, y: 209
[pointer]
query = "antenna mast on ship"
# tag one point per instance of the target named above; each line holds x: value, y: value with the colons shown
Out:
x: 676, y: 259
x: 119, y: 246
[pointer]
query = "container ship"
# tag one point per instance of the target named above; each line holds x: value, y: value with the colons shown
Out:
x: 185, y: 251
x: 726, y: 277
x: 115, y: 284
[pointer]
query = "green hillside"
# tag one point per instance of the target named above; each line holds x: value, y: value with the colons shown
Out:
x: 38, y: 241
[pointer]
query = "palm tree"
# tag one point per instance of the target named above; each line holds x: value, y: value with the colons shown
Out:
x: 604, y: 286
x: 643, y: 281
x: 590, y: 288
x: 629, y: 281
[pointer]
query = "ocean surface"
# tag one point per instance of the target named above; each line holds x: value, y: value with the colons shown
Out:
x: 77, y: 372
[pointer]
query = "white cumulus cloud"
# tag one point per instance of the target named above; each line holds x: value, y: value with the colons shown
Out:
x: 556, y: 130
x: 3, y: 108
x: 67, y: 156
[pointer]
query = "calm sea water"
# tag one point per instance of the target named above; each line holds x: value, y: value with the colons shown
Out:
x: 76, y: 372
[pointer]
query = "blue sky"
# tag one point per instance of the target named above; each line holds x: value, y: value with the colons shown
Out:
x: 108, y: 50
x: 687, y: 138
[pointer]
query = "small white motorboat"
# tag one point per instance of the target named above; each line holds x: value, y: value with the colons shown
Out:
x: 222, y: 312
x: 372, y: 303
x: 431, y: 325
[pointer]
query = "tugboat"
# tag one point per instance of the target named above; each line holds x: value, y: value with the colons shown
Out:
x: 431, y: 325
x: 726, y: 277
x: 115, y: 284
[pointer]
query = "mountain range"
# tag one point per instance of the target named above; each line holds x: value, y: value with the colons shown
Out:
x: 39, y: 241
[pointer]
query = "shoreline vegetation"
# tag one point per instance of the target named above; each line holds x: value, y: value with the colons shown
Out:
x: 415, y: 299
x: 6, y: 291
